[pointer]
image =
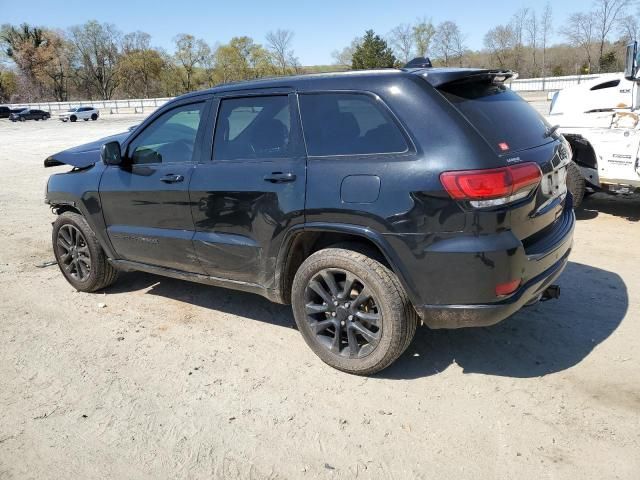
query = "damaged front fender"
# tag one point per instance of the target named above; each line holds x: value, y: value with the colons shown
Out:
x: 83, y: 156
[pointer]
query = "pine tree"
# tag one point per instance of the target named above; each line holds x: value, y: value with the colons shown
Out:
x: 372, y: 52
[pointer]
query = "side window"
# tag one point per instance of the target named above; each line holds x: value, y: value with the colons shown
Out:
x: 253, y: 127
x: 170, y: 138
x: 348, y: 124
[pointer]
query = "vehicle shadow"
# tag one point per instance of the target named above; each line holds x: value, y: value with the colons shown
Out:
x: 546, y: 338
x: 623, y: 206
x: 539, y: 340
x: 213, y: 298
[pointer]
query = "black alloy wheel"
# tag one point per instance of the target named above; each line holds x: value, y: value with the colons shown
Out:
x: 73, y: 252
x: 343, y: 313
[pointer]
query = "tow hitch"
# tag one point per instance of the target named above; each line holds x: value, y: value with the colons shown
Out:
x: 551, y: 292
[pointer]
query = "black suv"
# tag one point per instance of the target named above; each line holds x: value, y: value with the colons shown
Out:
x: 368, y: 200
x: 29, y: 114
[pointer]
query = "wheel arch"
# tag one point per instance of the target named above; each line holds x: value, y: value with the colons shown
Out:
x: 308, y: 238
x: 583, y: 152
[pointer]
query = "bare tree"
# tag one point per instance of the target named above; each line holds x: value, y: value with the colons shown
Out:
x: 449, y: 42
x: 629, y: 28
x: 423, y: 33
x: 532, y: 27
x: 518, y: 22
x: 607, y: 13
x: 402, y: 40
x: 97, y: 48
x: 580, y: 32
x: 500, y: 42
x: 546, y: 29
x: 344, y: 57
x: 279, y: 44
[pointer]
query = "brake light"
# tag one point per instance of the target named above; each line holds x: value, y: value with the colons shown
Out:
x: 492, y: 187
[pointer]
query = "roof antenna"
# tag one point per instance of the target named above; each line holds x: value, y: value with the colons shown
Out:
x: 419, y: 62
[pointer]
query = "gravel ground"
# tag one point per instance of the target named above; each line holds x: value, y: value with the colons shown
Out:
x: 169, y: 379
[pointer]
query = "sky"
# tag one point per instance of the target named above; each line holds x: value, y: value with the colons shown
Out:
x: 319, y: 27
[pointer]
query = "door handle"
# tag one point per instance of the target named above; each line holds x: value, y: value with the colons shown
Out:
x: 280, y: 177
x: 171, y: 178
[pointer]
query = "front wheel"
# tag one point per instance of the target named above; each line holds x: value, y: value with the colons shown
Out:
x: 352, y: 311
x: 79, y: 254
x: 94, y: 116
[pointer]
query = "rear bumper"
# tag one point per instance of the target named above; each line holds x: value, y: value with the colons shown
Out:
x: 545, y: 267
x: 460, y: 316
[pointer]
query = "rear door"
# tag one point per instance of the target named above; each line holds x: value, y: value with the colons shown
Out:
x: 252, y: 189
x: 356, y: 148
x: 145, y: 201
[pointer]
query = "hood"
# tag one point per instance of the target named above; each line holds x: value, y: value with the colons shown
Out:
x: 85, y: 155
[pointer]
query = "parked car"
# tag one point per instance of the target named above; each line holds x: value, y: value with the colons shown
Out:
x: 4, y: 111
x: 29, y: 114
x: 80, y: 113
x: 371, y: 201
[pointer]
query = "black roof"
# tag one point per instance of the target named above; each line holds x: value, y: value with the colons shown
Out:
x: 435, y: 76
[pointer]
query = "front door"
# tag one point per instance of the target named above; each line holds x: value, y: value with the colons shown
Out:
x: 252, y: 190
x: 145, y: 201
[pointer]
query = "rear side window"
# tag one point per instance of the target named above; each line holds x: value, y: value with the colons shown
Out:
x: 501, y: 116
x: 253, y: 128
x: 348, y: 124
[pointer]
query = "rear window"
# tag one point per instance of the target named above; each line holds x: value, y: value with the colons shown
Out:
x: 501, y: 116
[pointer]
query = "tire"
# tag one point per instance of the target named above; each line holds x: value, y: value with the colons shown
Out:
x: 86, y: 119
x: 94, y: 116
x: 22, y: 119
x: 86, y: 266
x: 576, y: 183
x: 387, y: 318
x: 73, y: 118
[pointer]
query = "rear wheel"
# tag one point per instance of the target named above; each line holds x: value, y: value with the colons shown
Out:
x: 352, y: 311
x: 576, y: 183
x: 94, y: 116
x: 73, y: 118
x: 79, y: 255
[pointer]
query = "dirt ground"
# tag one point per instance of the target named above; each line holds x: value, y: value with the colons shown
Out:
x: 177, y: 380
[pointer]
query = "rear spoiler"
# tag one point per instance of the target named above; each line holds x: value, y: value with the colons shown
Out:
x: 438, y: 77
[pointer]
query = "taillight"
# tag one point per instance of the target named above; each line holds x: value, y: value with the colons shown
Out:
x: 492, y: 187
x: 507, y: 288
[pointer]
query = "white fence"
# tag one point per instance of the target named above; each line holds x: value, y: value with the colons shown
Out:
x: 553, y: 83
x: 140, y: 105
x: 147, y: 105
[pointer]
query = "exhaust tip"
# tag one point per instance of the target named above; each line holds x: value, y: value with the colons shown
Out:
x: 551, y: 293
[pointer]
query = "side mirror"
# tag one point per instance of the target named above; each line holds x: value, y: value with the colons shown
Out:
x: 110, y: 153
x: 631, y: 63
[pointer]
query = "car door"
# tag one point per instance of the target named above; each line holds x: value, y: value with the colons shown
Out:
x: 145, y: 201
x: 252, y: 189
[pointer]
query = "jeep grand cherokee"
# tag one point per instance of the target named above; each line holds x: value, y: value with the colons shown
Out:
x: 371, y: 201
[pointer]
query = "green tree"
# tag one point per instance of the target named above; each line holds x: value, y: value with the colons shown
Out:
x: 8, y: 85
x: 96, y: 46
x: 190, y: 54
x: 372, y: 52
x: 242, y: 59
x: 140, y: 66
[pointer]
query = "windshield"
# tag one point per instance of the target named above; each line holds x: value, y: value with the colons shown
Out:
x: 501, y: 116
